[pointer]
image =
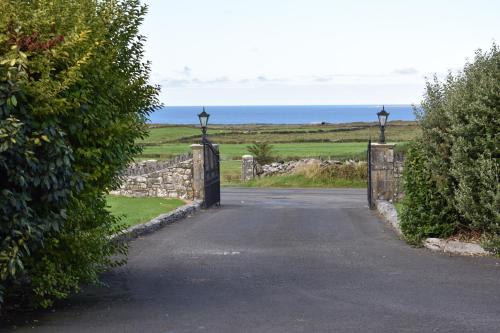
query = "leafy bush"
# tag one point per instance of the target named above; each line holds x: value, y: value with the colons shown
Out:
x: 474, y: 108
x: 452, y: 175
x: 262, y: 152
x: 73, y: 99
x: 424, y: 210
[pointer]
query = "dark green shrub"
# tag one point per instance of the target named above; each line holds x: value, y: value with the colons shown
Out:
x: 452, y: 174
x: 262, y: 152
x: 474, y: 109
x: 424, y: 211
x: 73, y: 100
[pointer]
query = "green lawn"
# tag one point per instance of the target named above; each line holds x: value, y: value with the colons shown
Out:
x: 140, y: 210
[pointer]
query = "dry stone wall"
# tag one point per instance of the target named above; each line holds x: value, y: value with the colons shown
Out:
x: 289, y: 167
x: 167, y: 179
x: 146, y: 167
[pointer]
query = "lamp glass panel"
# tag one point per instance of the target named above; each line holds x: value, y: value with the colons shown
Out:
x: 203, y: 118
x: 382, y: 119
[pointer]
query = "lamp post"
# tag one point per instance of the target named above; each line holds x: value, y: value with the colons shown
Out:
x: 382, y: 120
x: 204, y: 122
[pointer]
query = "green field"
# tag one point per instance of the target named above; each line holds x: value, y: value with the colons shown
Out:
x: 173, y: 134
x: 290, y: 141
x: 396, y: 131
x: 282, y: 150
x: 230, y: 172
x: 139, y: 210
x: 338, y: 141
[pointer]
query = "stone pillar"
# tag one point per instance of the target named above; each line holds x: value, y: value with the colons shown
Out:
x: 198, y: 172
x: 247, y: 168
x: 382, y: 171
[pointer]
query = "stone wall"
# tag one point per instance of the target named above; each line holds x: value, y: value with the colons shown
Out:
x: 145, y: 167
x: 250, y: 170
x: 289, y: 167
x: 168, y: 179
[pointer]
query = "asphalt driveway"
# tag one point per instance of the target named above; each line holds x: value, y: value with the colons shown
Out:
x: 283, y: 261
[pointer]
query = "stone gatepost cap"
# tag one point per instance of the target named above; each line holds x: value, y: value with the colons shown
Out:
x: 196, y: 145
x: 247, y: 156
x: 383, y: 145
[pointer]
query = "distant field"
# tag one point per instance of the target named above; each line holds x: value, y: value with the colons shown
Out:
x: 284, y: 150
x: 339, y: 141
x: 173, y: 134
x: 355, y: 132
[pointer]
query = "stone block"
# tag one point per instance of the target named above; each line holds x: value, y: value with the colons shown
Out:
x: 247, y: 168
x: 382, y: 171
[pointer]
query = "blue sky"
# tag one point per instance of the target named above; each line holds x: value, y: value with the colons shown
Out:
x: 265, y: 52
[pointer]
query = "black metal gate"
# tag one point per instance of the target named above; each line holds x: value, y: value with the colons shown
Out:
x: 211, y: 168
x: 369, y: 170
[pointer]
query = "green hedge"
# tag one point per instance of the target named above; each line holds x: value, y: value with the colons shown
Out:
x: 73, y: 99
x: 452, y: 173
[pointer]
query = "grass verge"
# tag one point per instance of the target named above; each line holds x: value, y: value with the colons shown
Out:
x: 139, y: 210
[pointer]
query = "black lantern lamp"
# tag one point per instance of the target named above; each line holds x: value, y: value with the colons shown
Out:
x: 382, y: 119
x: 204, y: 121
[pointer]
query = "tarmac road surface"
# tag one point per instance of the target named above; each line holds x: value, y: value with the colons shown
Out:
x: 282, y: 261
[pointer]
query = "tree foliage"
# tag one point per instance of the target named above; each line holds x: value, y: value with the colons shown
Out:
x: 452, y: 174
x: 262, y: 151
x: 74, y: 96
x: 425, y: 212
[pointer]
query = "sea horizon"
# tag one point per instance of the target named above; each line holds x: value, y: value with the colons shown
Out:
x: 280, y: 114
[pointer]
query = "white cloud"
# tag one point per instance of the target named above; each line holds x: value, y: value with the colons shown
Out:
x: 406, y: 71
x: 174, y: 82
x: 186, y: 71
x: 238, y: 51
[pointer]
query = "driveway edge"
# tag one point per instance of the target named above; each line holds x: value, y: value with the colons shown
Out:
x: 389, y: 213
x: 158, y: 222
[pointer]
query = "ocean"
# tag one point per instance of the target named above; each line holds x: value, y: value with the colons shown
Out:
x: 280, y: 114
